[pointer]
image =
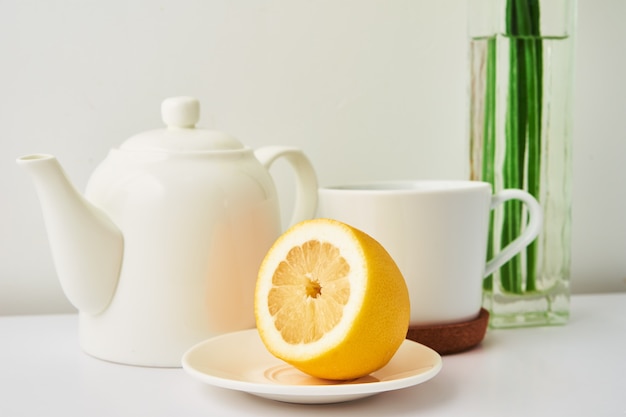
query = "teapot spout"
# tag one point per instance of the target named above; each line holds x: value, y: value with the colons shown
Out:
x: 87, y: 247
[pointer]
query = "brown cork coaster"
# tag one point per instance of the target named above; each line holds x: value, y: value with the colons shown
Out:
x: 451, y: 338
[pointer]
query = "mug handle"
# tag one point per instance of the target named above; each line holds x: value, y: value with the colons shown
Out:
x: 535, y: 223
x: 306, y: 179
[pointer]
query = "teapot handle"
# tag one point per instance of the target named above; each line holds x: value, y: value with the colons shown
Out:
x: 306, y: 179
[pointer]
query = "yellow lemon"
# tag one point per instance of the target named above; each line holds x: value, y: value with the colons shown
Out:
x: 331, y: 301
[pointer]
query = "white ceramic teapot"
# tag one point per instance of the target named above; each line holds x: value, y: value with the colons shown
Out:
x: 164, y: 249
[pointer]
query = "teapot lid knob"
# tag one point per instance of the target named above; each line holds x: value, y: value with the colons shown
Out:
x: 180, y: 115
x: 180, y: 112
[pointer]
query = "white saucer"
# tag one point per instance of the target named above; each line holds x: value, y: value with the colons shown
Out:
x: 240, y: 361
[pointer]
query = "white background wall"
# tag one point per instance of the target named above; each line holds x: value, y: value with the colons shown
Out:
x: 369, y: 89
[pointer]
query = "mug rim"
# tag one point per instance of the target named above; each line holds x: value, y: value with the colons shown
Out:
x: 407, y: 186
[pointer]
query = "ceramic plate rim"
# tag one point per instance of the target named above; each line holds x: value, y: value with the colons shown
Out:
x: 330, y: 392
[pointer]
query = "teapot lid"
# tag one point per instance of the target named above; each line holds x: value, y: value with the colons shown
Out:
x: 180, y: 115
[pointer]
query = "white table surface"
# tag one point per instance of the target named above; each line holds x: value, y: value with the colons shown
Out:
x: 574, y: 370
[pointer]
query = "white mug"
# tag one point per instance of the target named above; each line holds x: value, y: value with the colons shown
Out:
x: 436, y: 231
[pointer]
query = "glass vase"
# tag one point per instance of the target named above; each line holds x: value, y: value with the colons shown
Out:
x: 521, y: 85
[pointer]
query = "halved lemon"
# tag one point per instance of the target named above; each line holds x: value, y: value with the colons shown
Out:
x: 331, y: 301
